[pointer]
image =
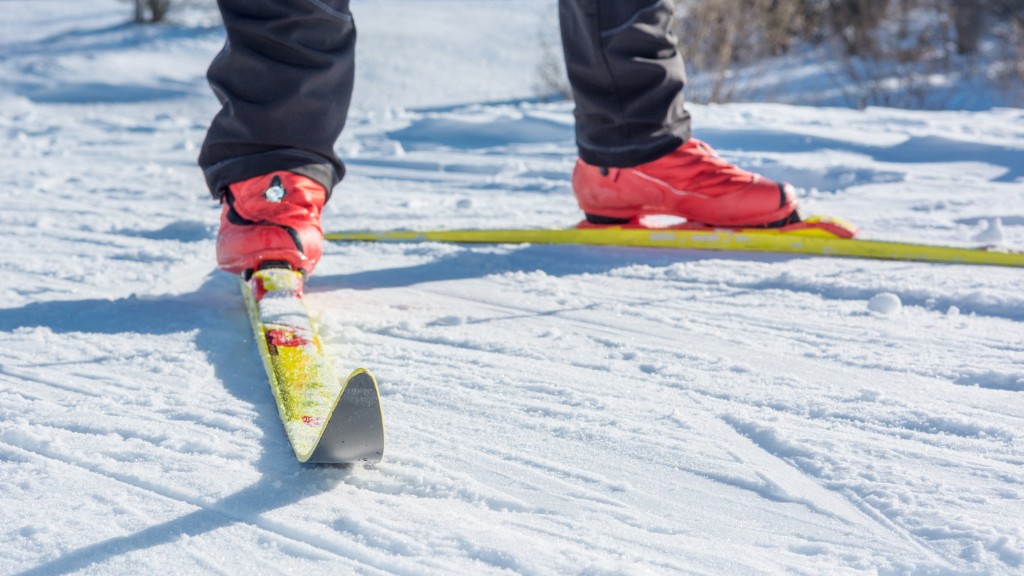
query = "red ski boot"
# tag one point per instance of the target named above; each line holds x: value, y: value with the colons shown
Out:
x: 692, y: 182
x: 271, y: 218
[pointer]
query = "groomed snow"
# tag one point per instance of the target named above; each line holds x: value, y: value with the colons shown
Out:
x: 550, y: 410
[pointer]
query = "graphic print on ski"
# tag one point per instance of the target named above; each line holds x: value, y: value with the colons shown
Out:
x: 326, y: 420
x: 815, y: 236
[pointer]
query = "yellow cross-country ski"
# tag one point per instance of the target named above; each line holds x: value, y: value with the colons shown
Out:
x: 327, y: 420
x: 816, y: 236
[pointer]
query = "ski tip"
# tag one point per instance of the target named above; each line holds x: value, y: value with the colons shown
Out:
x: 361, y: 372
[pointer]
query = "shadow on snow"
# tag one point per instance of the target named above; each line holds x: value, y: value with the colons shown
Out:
x: 215, y: 313
x: 477, y: 262
x: 94, y: 42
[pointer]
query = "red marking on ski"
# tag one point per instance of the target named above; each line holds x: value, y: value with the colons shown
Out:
x: 259, y: 290
x: 286, y: 338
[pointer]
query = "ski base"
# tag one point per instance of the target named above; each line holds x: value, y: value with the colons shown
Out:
x: 326, y: 420
x: 816, y: 236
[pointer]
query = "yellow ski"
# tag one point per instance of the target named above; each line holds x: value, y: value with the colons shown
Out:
x: 326, y: 420
x: 809, y: 241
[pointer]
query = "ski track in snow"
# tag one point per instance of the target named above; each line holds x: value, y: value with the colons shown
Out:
x: 549, y: 410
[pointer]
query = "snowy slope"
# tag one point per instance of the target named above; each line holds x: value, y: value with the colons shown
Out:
x: 550, y: 410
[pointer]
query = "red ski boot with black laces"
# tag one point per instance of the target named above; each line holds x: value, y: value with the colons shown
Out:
x: 273, y: 219
x: 691, y: 182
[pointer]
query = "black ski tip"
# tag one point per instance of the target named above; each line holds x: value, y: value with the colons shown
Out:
x: 355, y: 432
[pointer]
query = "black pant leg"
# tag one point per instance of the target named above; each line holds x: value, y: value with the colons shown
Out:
x: 627, y: 78
x: 284, y: 79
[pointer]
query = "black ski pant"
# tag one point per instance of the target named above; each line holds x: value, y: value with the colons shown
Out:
x: 285, y: 75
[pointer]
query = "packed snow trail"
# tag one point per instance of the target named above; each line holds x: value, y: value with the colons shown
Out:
x: 550, y: 409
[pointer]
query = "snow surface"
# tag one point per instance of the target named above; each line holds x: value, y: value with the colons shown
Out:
x: 550, y: 410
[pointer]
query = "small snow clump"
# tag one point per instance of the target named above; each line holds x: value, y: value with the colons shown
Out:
x: 885, y: 303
